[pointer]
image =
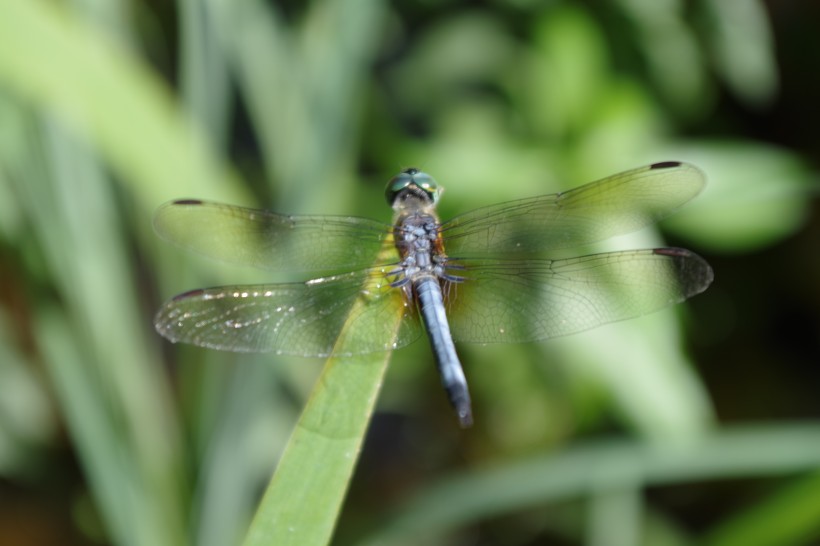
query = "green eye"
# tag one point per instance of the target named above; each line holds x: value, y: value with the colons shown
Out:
x: 411, y: 178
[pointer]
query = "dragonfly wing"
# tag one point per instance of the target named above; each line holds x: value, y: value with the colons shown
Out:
x: 615, y: 205
x: 517, y: 301
x: 301, y: 319
x: 269, y: 240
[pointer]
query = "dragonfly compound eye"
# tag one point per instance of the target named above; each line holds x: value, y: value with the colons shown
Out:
x: 412, y: 180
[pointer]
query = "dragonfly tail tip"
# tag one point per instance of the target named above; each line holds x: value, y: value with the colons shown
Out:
x: 465, y: 417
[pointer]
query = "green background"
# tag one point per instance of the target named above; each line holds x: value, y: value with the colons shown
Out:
x: 696, y: 425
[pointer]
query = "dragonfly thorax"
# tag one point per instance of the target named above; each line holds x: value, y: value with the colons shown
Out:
x: 419, y: 245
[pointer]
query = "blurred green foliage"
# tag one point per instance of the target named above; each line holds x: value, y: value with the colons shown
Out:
x: 109, y: 109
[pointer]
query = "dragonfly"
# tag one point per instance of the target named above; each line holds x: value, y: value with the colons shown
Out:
x: 503, y: 273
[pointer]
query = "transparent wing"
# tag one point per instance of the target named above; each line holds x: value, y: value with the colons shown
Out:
x: 271, y: 241
x: 515, y: 301
x: 615, y: 205
x: 302, y: 319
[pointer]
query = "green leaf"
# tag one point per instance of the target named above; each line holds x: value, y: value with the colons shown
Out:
x: 756, y: 195
x: 304, y: 497
x: 112, y: 97
x: 597, y: 468
x: 743, y: 49
x: 790, y: 516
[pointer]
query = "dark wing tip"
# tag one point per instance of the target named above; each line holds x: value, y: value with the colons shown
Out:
x: 665, y: 165
x: 673, y: 252
x: 695, y: 273
x: 168, y: 318
x: 188, y: 294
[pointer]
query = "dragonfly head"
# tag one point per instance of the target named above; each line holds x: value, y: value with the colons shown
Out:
x: 412, y: 182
